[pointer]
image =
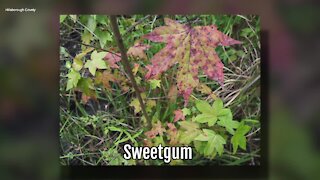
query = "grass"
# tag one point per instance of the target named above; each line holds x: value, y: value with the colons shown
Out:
x: 93, y: 133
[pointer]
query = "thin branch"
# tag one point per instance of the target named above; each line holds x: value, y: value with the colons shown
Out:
x: 87, y: 29
x: 89, y: 45
x: 126, y: 64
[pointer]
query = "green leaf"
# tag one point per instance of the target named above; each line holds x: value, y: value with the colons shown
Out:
x: 73, y: 78
x: 86, y: 37
x: 200, y: 146
x: 212, y: 121
x: 101, y: 19
x: 86, y: 86
x: 188, y: 131
x: 62, y: 18
x: 73, y: 17
x: 136, y: 105
x: 214, y: 142
x: 188, y: 125
x: 225, y: 112
x: 217, y: 105
x: 104, y: 37
x: 203, y: 106
x: 96, y: 62
x: 225, y: 120
x: 77, y: 61
x: 77, y: 64
x: 68, y: 64
x: 98, y: 56
x: 239, y: 139
x: 186, y: 111
x: 245, y: 32
x: 91, y: 23
x: 63, y: 52
x: 159, y: 140
x: 149, y: 105
x: 187, y: 137
x: 201, y: 137
x: 206, y: 118
x: 154, y: 83
x: 228, y: 124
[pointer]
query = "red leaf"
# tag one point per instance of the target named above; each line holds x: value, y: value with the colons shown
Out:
x: 137, y: 51
x: 172, y: 134
x: 191, y: 47
x: 156, y: 129
x: 171, y: 127
x: 178, y: 114
x: 112, y: 59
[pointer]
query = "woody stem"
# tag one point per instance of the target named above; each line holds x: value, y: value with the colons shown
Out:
x: 127, y: 66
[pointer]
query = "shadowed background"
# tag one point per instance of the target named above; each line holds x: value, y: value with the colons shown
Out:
x: 29, y: 69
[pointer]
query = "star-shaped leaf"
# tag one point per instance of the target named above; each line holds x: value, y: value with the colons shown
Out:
x: 96, y: 62
x: 136, y: 105
x: 73, y: 79
x: 239, y: 138
x: 156, y: 129
x: 191, y: 47
x: 77, y: 61
x: 214, y: 142
x: 188, y: 131
x: 112, y: 59
x: 225, y: 120
x: 214, y: 113
x: 186, y: 111
x: 178, y: 115
x: 154, y: 83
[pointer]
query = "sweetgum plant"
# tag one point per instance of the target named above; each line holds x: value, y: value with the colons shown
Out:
x: 190, y: 52
x: 191, y: 47
x: 207, y: 132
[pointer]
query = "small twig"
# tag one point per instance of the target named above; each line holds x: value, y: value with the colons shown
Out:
x: 87, y: 29
x: 89, y: 45
x: 126, y: 64
x: 154, y: 19
x: 253, y: 132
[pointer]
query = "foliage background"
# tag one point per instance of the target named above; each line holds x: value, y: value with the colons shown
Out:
x: 86, y: 136
x: 30, y: 106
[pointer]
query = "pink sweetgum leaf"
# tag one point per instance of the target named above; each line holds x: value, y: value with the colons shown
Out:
x: 137, y: 51
x: 112, y: 59
x: 193, y: 48
x: 178, y: 115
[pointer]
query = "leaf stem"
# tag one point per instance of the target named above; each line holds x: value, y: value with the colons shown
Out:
x: 126, y: 64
